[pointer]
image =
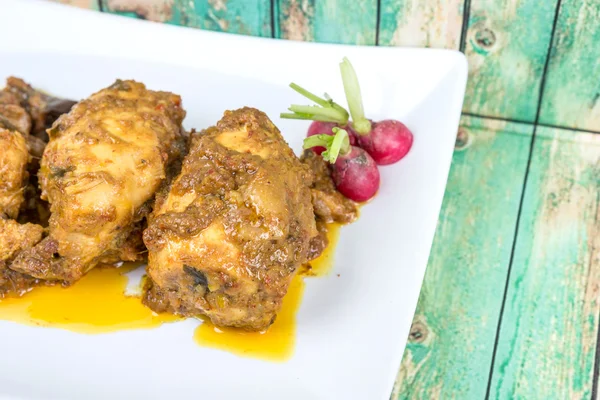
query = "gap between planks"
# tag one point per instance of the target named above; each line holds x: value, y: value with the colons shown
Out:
x: 453, y: 329
x: 547, y: 343
x: 539, y: 124
x: 521, y: 202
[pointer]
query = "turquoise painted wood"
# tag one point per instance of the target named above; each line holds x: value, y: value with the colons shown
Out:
x: 333, y: 21
x: 248, y: 17
x: 572, y: 93
x: 89, y: 4
x: 506, y: 42
x: 449, y: 352
x: 547, y: 343
x: 421, y: 23
x: 507, y: 46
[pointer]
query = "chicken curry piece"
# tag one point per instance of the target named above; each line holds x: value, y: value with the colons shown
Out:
x: 22, y: 213
x: 228, y: 235
x: 103, y: 164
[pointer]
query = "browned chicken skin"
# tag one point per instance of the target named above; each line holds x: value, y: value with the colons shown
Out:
x: 15, y: 160
x: 42, y: 109
x: 105, y: 160
x: 20, y: 104
x: 228, y: 235
x: 14, y: 156
x: 14, y: 238
x: 15, y: 126
x: 14, y: 117
x: 329, y: 205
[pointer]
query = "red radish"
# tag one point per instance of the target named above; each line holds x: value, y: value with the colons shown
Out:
x: 318, y: 127
x: 386, y: 141
x: 355, y: 175
x: 353, y: 170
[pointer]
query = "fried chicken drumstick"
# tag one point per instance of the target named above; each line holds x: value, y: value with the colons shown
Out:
x: 103, y: 164
x: 228, y: 235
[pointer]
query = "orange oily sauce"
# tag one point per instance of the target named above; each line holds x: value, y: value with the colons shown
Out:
x: 322, y: 265
x: 274, y: 344
x: 277, y: 342
x: 95, y: 304
x: 98, y: 304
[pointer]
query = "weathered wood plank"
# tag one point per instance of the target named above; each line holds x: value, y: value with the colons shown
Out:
x: 91, y: 4
x: 421, y: 23
x: 332, y: 21
x: 152, y: 10
x: 548, y: 334
x: 449, y: 352
x: 248, y: 17
x: 507, y: 45
x: 572, y: 92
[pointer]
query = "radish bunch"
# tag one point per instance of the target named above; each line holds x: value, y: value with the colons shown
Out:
x: 353, y: 171
x: 353, y: 147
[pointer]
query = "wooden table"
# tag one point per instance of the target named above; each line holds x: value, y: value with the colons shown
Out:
x: 510, y: 303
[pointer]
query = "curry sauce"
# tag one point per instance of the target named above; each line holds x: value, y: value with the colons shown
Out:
x: 95, y: 304
x: 99, y: 303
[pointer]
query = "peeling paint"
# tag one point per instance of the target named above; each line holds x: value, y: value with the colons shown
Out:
x: 507, y: 45
x: 546, y: 348
x: 154, y: 10
x: 221, y: 22
x: 90, y: 4
x: 464, y: 282
x: 296, y: 20
x: 218, y: 5
x: 418, y: 23
x: 572, y: 81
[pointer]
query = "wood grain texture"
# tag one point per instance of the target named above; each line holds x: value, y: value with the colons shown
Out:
x: 572, y: 92
x: 449, y: 352
x: 248, y: 17
x: 421, y: 23
x: 507, y: 44
x: 548, y: 334
x: 331, y: 21
x: 90, y: 4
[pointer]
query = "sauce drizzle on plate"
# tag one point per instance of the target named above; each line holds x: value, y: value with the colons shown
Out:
x: 95, y: 304
x: 277, y: 342
x: 98, y: 303
x: 321, y: 266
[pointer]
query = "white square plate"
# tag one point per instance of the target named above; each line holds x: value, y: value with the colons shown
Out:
x: 351, y: 329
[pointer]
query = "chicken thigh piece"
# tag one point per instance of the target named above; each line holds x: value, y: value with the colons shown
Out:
x: 30, y: 112
x: 42, y: 109
x: 14, y: 156
x: 15, y: 238
x: 228, y: 235
x: 14, y: 117
x: 21, y: 152
x: 105, y: 160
